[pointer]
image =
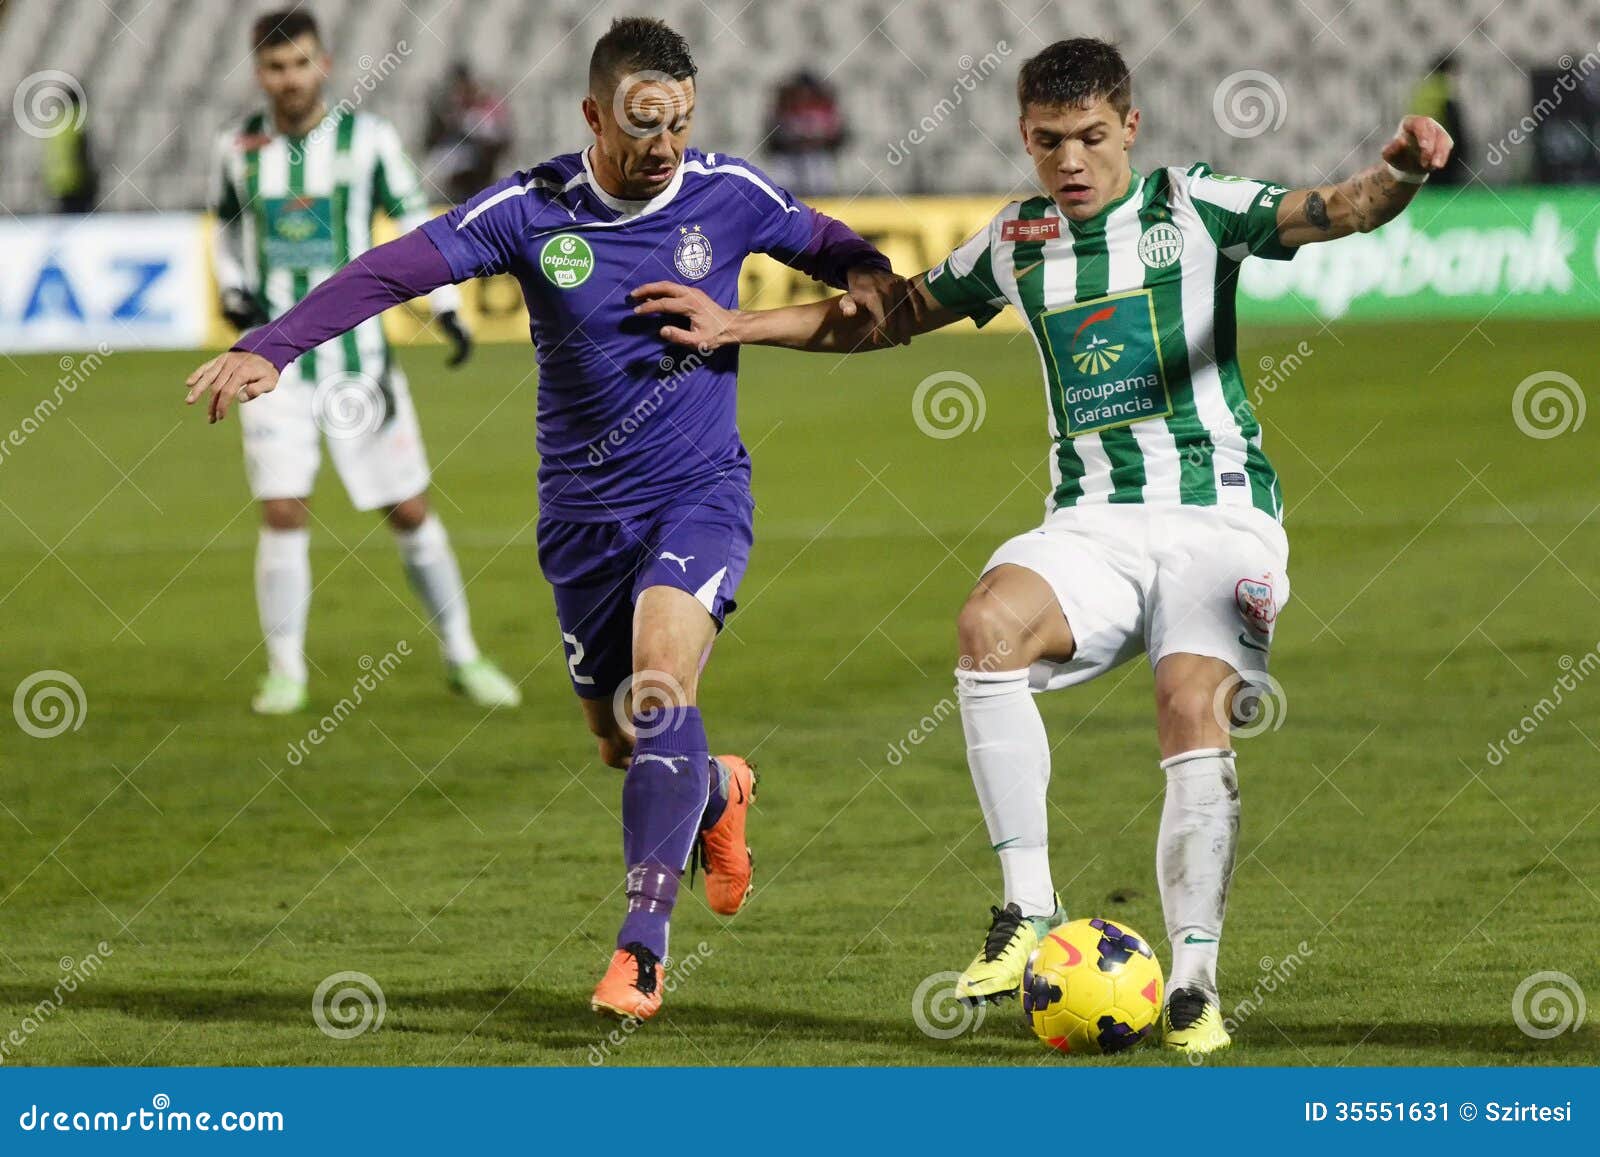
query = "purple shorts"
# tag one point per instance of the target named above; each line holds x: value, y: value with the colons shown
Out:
x: 698, y: 542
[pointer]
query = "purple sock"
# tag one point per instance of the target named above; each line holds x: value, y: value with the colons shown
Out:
x: 663, y: 798
x: 716, y: 795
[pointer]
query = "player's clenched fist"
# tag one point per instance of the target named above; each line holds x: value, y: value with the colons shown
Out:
x: 229, y: 376
x: 1420, y: 146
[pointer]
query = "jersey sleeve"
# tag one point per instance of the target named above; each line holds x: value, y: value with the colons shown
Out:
x: 965, y: 281
x: 227, y: 250
x: 1241, y: 214
x: 793, y: 232
x: 396, y: 185
x: 483, y: 235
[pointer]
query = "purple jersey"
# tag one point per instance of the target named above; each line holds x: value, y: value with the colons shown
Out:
x: 626, y: 419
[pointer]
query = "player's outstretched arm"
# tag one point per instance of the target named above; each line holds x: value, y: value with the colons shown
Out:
x: 836, y: 325
x: 398, y: 271
x: 1374, y: 196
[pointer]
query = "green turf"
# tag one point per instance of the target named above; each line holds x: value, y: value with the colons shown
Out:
x: 1443, y: 565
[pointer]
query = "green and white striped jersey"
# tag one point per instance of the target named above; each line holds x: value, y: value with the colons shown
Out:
x: 292, y: 210
x: 1133, y: 316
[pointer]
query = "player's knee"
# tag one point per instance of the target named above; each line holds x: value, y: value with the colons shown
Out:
x: 662, y: 679
x: 1191, y: 707
x: 285, y: 514
x: 987, y: 628
x: 410, y: 514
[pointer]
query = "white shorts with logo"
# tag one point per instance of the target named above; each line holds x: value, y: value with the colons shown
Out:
x: 376, y: 445
x: 1206, y: 580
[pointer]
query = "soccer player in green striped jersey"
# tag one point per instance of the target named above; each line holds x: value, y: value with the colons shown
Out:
x: 1162, y: 533
x: 295, y: 188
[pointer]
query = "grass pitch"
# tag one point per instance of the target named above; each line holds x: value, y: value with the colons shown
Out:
x: 1396, y: 884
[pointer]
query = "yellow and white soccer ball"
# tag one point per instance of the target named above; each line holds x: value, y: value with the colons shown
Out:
x: 1092, y: 986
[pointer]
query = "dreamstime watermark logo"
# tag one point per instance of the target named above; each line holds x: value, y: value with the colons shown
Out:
x: 973, y: 72
x: 922, y: 730
x: 1575, y: 671
x: 74, y: 372
x: 1547, y: 1004
x: 374, y: 71
x: 1250, y: 703
x: 48, y: 703
x: 940, y: 1013
x: 1276, y: 371
x: 347, y: 1004
x: 641, y: 704
x: 947, y: 404
x: 674, y: 371
x: 1548, y: 404
x: 73, y: 973
x: 649, y: 103
x: 350, y: 404
x: 675, y: 973
x: 1249, y: 103
x: 49, y: 102
x: 1198, y: 455
x: 374, y: 672
x: 1573, y: 73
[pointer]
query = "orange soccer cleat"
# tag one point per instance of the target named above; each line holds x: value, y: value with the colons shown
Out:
x: 631, y: 986
x: 723, y: 853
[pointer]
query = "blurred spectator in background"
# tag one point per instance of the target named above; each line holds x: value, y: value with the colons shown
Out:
x: 1436, y: 97
x: 70, y: 175
x: 468, y: 130
x: 808, y: 131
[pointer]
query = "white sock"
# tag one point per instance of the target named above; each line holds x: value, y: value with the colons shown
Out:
x: 283, y: 597
x: 1009, y: 755
x: 1194, y: 860
x: 435, y: 576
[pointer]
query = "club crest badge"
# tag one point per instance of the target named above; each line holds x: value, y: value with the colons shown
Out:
x: 1161, y: 245
x: 692, y: 257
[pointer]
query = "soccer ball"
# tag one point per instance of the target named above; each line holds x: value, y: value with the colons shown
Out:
x: 1092, y: 986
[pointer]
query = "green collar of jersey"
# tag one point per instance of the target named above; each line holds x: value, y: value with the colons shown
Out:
x: 1097, y: 223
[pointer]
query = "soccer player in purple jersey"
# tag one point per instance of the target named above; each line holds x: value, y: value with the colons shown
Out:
x: 644, y: 485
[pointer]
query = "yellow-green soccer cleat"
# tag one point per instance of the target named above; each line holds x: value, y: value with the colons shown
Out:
x: 484, y: 684
x: 1193, y: 1024
x: 996, y: 972
x: 278, y: 695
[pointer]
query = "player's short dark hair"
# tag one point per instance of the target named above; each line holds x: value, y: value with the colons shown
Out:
x: 1076, y: 72
x: 285, y: 27
x: 639, y: 44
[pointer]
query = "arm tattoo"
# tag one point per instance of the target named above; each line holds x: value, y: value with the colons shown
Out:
x: 1317, y: 212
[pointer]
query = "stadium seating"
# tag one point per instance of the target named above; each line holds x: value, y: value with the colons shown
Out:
x: 150, y: 65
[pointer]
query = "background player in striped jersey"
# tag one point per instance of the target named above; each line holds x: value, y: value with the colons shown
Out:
x: 295, y: 188
x: 1162, y: 531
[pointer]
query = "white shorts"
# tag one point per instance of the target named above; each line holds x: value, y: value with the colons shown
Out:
x: 375, y: 444
x: 1203, y: 580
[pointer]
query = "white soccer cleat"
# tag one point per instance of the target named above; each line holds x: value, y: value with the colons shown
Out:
x: 484, y: 684
x: 278, y: 695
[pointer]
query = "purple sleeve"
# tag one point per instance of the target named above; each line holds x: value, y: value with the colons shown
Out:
x: 831, y: 251
x: 483, y: 235
x: 407, y: 267
x: 798, y: 235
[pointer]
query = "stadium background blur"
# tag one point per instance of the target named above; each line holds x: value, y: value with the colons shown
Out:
x: 1420, y: 827
x: 158, y: 96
